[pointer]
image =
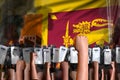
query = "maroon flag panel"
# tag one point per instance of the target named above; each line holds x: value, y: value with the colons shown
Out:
x: 95, y: 18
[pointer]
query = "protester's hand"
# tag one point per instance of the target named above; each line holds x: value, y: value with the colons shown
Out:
x: 113, y: 65
x: 20, y: 65
x: 80, y: 41
x: 64, y: 65
x: 95, y: 65
x: 33, y: 57
x: 48, y: 65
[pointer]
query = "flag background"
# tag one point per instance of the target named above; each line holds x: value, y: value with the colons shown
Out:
x: 55, y: 15
x: 57, y: 27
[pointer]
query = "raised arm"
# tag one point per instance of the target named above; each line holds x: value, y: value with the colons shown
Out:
x: 20, y: 69
x: 65, y: 71
x: 112, y: 72
x: 81, y: 44
x: 33, y: 73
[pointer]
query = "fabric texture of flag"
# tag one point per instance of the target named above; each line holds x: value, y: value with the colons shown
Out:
x: 62, y: 20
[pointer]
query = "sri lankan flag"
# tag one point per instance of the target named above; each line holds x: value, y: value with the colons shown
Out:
x: 62, y: 20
